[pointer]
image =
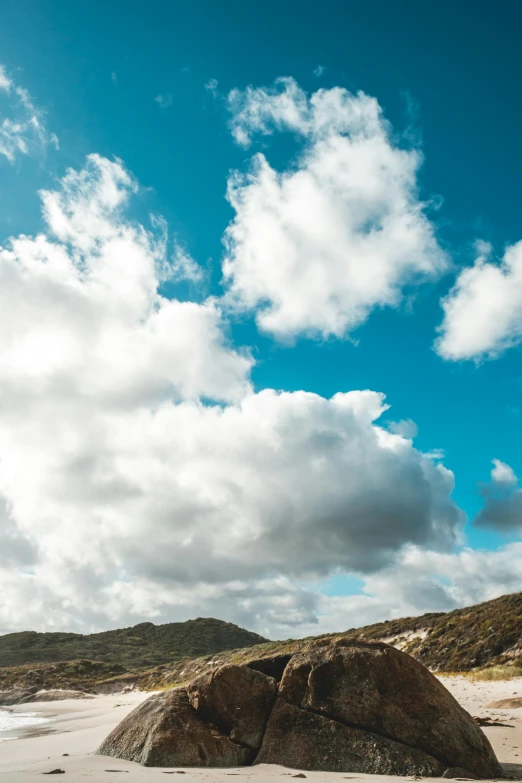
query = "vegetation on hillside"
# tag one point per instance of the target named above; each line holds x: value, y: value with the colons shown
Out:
x: 479, y: 636
x: 478, y: 639
x: 464, y: 640
x: 67, y: 675
x: 141, y: 647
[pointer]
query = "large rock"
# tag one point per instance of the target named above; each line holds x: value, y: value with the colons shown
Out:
x: 237, y: 699
x: 346, y: 706
x: 165, y: 731
x: 16, y: 696
x: 382, y: 690
x: 303, y: 740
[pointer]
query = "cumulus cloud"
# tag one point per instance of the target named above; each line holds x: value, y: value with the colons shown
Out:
x: 502, y: 509
x: 81, y: 316
x: 140, y: 474
x: 22, y: 128
x: 483, y: 311
x: 313, y: 249
x: 502, y: 473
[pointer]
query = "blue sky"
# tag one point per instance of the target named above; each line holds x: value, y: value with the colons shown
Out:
x: 150, y: 84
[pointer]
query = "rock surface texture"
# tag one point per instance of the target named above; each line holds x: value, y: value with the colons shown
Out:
x: 347, y: 706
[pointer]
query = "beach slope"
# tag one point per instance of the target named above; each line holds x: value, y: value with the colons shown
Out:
x: 78, y: 727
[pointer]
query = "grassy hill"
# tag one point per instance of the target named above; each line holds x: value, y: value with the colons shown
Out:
x: 486, y: 634
x: 477, y: 638
x: 141, y: 647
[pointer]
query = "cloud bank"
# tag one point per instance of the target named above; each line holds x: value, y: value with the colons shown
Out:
x: 139, y: 471
x: 143, y: 476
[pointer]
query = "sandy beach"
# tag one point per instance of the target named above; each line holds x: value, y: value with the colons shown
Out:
x: 77, y: 727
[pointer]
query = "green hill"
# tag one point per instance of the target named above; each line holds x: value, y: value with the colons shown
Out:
x: 479, y: 636
x: 476, y: 638
x: 142, y: 647
x: 148, y: 656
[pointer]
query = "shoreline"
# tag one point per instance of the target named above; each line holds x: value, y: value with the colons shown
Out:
x: 77, y: 727
x: 33, y: 724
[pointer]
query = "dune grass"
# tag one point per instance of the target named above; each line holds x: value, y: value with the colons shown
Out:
x: 501, y: 672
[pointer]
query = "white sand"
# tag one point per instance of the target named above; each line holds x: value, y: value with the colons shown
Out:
x: 78, y: 727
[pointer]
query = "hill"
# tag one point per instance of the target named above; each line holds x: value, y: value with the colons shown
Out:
x: 483, y: 635
x: 475, y: 638
x: 142, y: 647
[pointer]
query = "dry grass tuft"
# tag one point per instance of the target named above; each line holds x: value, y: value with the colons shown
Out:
x: 501, y: 672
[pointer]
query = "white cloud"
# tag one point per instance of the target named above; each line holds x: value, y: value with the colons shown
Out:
x: 316, y: 247
x: 212, y: 86
x: 140, y: 476
x: 185, y: 268
x: 22, y: 129
x: 318, y: 72
x: 164, y: 101
x: 81, y: 316
x: 502, y: 473
x: 148, y: 510
x: 483, y: 311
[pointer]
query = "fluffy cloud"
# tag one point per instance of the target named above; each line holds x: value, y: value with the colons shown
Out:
x: 141, y: 476
x: 502, y: 473
x: 314, y: 248
x: 502, y: 509
x: 483, y: 311
x: 21, y: 124
x: 81, y: 317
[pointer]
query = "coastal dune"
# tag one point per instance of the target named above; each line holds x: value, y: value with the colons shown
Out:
x: 77, y: 727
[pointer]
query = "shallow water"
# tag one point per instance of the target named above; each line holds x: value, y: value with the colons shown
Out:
x: 10, y: 722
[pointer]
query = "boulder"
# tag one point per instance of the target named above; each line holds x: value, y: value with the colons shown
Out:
x: 303, y: 740
x: 346, y: 706
x: 16, y: 696
x: 237, y: 699
x: 387, y: 692
x: 274, y: 666
x: 165, y: 731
